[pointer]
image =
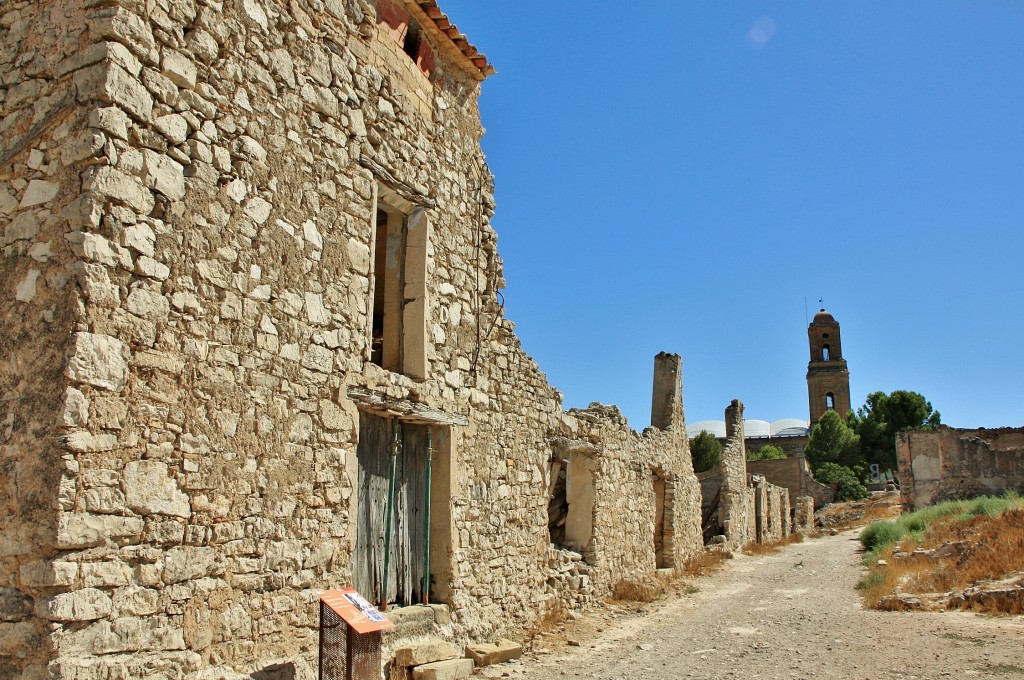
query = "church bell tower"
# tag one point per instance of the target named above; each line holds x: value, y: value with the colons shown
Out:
x: 828, y: 378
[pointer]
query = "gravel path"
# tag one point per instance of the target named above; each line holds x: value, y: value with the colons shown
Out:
x: 794, y: 614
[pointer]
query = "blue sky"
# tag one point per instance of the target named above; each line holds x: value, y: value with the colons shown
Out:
x: 680, y: 176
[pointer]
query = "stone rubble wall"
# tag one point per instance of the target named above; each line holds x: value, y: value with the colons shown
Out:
x: 187, y: 193
x: 803, y: 515
x: 623, y: 537
x: 735, y: 510
x: 749, y: 508
x: 776, y: 518
x: 47, y: 146
x: 947, y: 463
x: 795, y: 475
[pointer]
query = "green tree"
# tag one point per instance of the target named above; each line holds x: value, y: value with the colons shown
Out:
x: 848, y: 487
x: 832, y: 441
x: 767, y: 452
x: 883, y: 415
x: 706, y: 451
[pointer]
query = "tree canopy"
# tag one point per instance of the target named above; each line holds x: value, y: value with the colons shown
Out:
x: 767, y: 452
x: 832, y: 441
x: 706, y: 451
x: 883, y: 415
x: 848, y: 487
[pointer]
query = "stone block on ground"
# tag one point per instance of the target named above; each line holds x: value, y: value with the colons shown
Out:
x: 487, y: 653
x: 424, y: 652
x: 444, y: 670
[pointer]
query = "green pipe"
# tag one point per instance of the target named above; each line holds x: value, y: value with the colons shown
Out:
x: 395, y: 448
x: 426, y: 527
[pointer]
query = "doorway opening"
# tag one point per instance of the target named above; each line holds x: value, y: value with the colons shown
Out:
x: 662, y: 521
x: 390, y: 565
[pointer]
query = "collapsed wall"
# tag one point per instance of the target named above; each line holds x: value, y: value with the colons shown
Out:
x: 248, y: 262
x: 795, y: 475
x: 739, y: 507
x: 948, y: 464
x: 736, y: 510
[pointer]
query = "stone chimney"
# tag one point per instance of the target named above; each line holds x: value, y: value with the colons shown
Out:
x: 667, y: 397
x: 734, y: 419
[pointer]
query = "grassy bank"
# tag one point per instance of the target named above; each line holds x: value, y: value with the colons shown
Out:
x: 943, y: 555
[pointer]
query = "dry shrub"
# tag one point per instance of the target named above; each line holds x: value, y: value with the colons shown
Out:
x: 705, y: 563
x: 640, y: 589
x: 993, y: 548
x: 554, y: 615
x: 999, y: 603
x: 760, y: 548
x: 966, y: 552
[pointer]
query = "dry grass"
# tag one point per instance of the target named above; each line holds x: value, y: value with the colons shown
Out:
x: 761, y: 548
x: 954, y: 554
x: 850, y: 514
x: 643, y: 589
x: 705, y: 563
x: 554, y: 618
x: 993, y: 548
x: 772, y: 548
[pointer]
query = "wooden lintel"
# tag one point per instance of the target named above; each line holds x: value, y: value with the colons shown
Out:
x: 403, y: 409
x: 400, y: 187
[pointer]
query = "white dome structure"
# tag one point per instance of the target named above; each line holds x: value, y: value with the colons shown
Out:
x: 787, y: 427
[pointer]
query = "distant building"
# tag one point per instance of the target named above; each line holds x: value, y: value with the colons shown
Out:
x: 828, y: 387
x: 828, y: 378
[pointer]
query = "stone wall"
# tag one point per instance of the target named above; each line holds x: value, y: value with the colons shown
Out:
x: 793, y: 446
x: 795, y: 475
x: 734, y: 509
x: 948, y: 463
x: 776, y: 515
x: 803, y: 515
x: 739, y: 507
x: 192, y: 195
x: 46, y: 142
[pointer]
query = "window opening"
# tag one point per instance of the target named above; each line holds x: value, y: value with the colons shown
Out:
x: 411, y: 44
x: 825, y: 354
x: 571, y: 500
x: 830, y: 401
x: 558, y: 503
x: 398, y: 286
x: 380, y: 290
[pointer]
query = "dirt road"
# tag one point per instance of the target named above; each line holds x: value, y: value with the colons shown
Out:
x: 794, y: 614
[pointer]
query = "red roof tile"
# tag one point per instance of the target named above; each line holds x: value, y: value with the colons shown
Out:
x: 473, y: 58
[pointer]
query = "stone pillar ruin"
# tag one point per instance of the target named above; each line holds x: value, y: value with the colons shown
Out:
x: 734, y: 421
x: 733, y: 506
x: 667, y: 394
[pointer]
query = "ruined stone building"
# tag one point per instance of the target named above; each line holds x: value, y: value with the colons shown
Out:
x: 248, y: 269
x: 828, y: 387
x: 952, y: 464
x: 739, y: 506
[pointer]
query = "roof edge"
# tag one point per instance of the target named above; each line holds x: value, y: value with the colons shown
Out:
x: 437, y: 23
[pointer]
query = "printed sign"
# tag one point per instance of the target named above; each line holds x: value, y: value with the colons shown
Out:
x: 358, y: 613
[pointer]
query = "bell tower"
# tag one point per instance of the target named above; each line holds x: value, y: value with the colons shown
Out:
x: 828, y: 378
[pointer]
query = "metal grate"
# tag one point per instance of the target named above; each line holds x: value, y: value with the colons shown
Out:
x: 344, y: 653
x: 333, y: 656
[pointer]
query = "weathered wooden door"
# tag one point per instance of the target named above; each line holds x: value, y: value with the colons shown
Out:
x: 408, y: 535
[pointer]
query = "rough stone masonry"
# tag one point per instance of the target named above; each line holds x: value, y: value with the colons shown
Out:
x: 242, y: 239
